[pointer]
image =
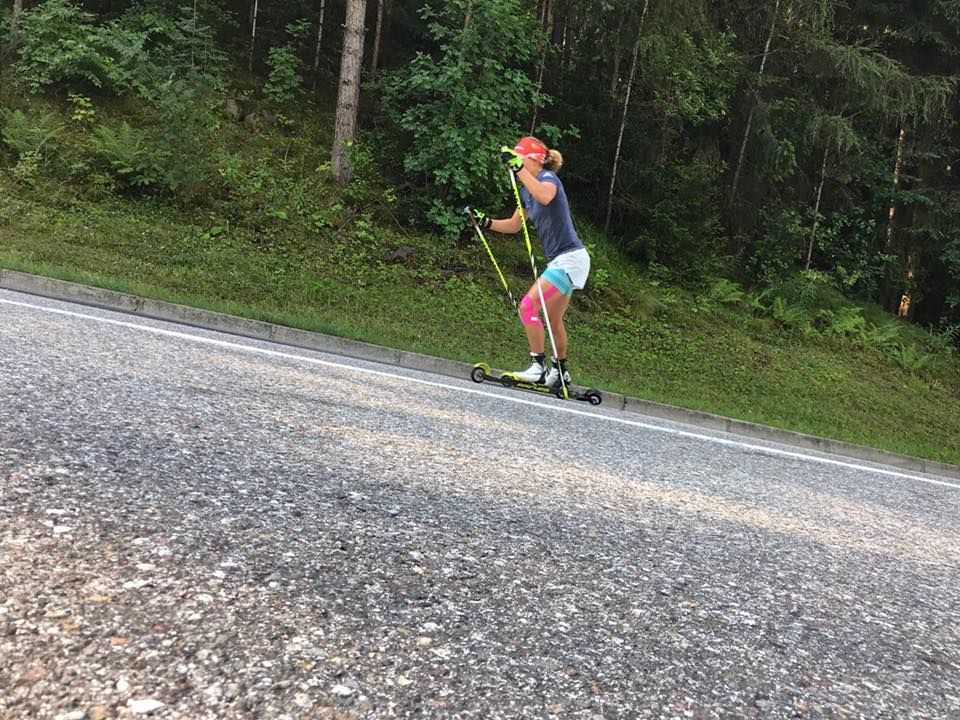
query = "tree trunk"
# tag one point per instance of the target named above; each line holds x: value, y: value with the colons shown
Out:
x: 746, y: 132
x: 897, y: 169
x: 906, y: 308
x: 192, y: 58
x: 348, y: 97
x: 316, y: 54
x: 615, y: 75
x: 816, y: 208
x: 623, y: 120
x: 375, y: 60
x: 546, y: 20
x: 253, y: 31
x: 15, y: 19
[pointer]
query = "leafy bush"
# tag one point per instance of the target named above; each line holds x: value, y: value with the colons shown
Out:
x: 812, y: 290
x: 27, y: 169
x: 777, y: 248
x: 284, y: 78
x: 83, y: 112
x: 177, y: 46
x: 171, y: 62
x: 947, y: 337
x: 60, y: 43
x: 185, y: 127
x: 677, y: 221
x: 454, y: 110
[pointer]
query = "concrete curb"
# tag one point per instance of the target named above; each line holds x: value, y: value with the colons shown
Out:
x: 209, y: 320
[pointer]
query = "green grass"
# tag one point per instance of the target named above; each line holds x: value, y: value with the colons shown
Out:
x: 629, y: 332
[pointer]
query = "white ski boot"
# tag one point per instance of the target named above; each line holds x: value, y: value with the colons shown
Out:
x: 553, y: 377
x: 535, y: 373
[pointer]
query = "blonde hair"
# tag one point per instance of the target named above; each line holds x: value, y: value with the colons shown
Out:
x: 554, y: 160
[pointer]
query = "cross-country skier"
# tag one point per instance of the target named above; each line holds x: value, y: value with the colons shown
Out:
x: 545, y: 203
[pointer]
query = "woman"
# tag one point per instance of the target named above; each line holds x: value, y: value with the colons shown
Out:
x: 545, y: 203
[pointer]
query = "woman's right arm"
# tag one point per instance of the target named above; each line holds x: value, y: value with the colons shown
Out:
x: 507, y: 226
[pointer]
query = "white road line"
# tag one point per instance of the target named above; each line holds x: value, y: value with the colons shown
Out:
x: 557, y: 407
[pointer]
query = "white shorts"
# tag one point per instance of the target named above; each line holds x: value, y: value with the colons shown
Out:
x: 576, y: 264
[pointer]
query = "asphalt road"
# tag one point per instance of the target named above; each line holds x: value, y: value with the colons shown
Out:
x: 195, y: 525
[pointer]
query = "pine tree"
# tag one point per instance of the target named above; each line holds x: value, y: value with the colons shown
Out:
x: 15, y: 18
x: 348, y: 98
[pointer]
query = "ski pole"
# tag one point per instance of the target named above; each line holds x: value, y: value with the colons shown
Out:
x: 503, y: 280
x: 536, y: 275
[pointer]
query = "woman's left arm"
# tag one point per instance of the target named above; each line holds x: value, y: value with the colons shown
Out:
x: 543, y: 192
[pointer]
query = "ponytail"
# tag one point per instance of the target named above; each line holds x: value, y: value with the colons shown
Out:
x: 554, y: 160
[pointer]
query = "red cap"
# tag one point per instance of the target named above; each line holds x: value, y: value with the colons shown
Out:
x: 530, y: 147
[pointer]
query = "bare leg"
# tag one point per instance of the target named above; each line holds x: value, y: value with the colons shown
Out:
x: 556, y: 307
x: 530, y: 314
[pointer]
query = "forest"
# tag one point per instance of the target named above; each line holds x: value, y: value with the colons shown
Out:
x: 745, y: 139
x: 797, y: 159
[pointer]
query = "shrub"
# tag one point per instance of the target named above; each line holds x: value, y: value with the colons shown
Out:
x: 82, y: 111
x: 27, y: 169
x: 455, y: 110
x: 812, y: 290
x: 283, y: 79
x: 60, y: 43
x: 677, y: 221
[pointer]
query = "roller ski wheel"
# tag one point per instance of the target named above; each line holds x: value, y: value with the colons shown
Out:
x: 593, y: 397
x: 479, y: 373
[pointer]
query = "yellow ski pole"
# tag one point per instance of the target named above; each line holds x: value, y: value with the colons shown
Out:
x: 536, y: 275
x: 496, y: 266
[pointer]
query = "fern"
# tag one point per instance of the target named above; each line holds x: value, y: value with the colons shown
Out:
x: 726, y: 292
x: 791, y: 316
x: 946, y: 339
x: 909, y: 357
x: 846, y: 322
x: 759, y: 302
x: 134, y: 163
x: 812, y: 290
x: 885, y: 336
x: 31, y: 135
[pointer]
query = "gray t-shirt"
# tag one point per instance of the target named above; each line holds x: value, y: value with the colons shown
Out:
x: 554, y: 223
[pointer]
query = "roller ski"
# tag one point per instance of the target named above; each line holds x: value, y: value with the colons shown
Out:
x: 482, y: 373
